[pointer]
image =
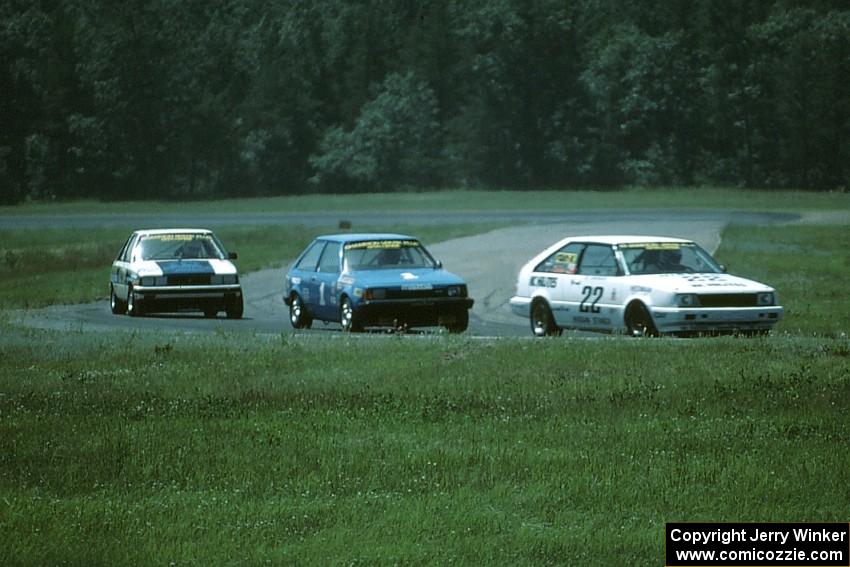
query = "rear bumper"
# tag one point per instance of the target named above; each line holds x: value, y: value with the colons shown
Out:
x: 677, y: 319
x: 520, y: 306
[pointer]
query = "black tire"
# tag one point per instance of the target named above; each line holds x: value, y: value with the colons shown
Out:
x: 750, y: 333
x: 542, y: 322
x: 348, y: 318
x: 235, y: 308
x: 460, y: 324
x: 134, y: 306
x: 639, y: 322
x: 117, y: 306
x: 210, y: 312
x: 299, y: 317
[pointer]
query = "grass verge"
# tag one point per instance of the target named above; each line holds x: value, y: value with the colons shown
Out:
x: 467, y: 200
x: 232, y: 449
x: 807, y: 265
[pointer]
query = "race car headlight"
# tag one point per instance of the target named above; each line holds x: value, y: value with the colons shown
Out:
x: 456, y: 291
x: 687, y: 300
x: 765, y: 298
x: 228, y: 279
x: 148, y: 281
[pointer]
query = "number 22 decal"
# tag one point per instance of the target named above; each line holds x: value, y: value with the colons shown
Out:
x: 588, y: 293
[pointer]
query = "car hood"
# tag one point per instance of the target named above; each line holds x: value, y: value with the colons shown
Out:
x: 403, y: 277
x: 170, y: 267
x: 700, y: 283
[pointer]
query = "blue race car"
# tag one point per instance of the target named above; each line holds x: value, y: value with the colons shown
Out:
x: 363, y: 280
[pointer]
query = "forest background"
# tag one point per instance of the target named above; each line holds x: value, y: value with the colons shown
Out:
x: 190, y: 99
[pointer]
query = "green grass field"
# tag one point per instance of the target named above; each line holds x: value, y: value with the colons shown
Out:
x: 671, y: 198
x: 237, y: 449
x: 808, y: 265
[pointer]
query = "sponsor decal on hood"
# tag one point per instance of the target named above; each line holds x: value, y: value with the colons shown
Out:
x: 185, y: 267
x: 701, y: 282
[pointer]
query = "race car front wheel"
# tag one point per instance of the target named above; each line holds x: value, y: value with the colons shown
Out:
x: 639, y: 322
x: 234, y: 308
x: 134, y: 306
x: 348, y: 318
x: 298, y: 316
x: 460, y: 322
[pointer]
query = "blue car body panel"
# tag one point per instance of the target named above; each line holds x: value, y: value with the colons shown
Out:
x: 416, y: 296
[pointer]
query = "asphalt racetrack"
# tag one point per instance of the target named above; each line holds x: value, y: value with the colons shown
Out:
x: 488, y: 262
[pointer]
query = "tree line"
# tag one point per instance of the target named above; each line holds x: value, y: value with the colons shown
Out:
x: 198, y: 98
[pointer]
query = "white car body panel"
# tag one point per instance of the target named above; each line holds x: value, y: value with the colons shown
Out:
x: 599, y: 302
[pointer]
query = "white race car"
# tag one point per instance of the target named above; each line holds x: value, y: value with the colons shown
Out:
x: 173, y: 270
x: 640, y: 285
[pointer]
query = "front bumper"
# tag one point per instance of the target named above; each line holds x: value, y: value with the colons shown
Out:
x: 413, y: 312
x: 186, y: 296
x: 679, y: 319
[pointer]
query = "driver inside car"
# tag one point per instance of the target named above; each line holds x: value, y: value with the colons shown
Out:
x: 662, y: 261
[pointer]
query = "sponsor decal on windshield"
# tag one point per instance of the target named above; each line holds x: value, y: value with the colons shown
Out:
x: 381, y: 244
x: 657, y: 245
x: 176, y: 237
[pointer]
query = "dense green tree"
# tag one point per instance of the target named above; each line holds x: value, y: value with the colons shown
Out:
x: 193, y: 99
x: 392, y: 144
x: 803, y: 77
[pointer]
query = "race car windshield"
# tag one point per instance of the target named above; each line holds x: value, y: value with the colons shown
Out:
x: 386, y: 254
x: 668, y: 258
x: 180, y: 246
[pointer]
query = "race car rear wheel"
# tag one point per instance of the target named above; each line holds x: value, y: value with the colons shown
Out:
x: 348, y: 318
x: 460, y: 323
x: 210, y: 312
x: 639, y: 322
x: 299, y: 318
x: 117, y: 306
x: 542, y: 322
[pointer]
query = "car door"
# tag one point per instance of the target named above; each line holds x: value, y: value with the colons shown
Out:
x: 119, y: 273
x: 592, y: 289
x: 552, y: 277
x: 325, y: 280
x: 303, y: 278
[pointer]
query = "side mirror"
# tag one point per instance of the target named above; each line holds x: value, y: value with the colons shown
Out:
x: 232, y: 256
x: 438, y: 265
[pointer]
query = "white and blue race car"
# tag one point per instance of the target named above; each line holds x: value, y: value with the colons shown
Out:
x: 640, y: 285
x: 167, y: 270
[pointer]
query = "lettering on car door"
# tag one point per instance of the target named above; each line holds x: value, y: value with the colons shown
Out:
x: 597, y: 266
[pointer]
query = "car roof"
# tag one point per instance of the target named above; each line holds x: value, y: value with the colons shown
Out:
x: 173, y: 231
x: 365, y: 236
x: 624, y: 239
